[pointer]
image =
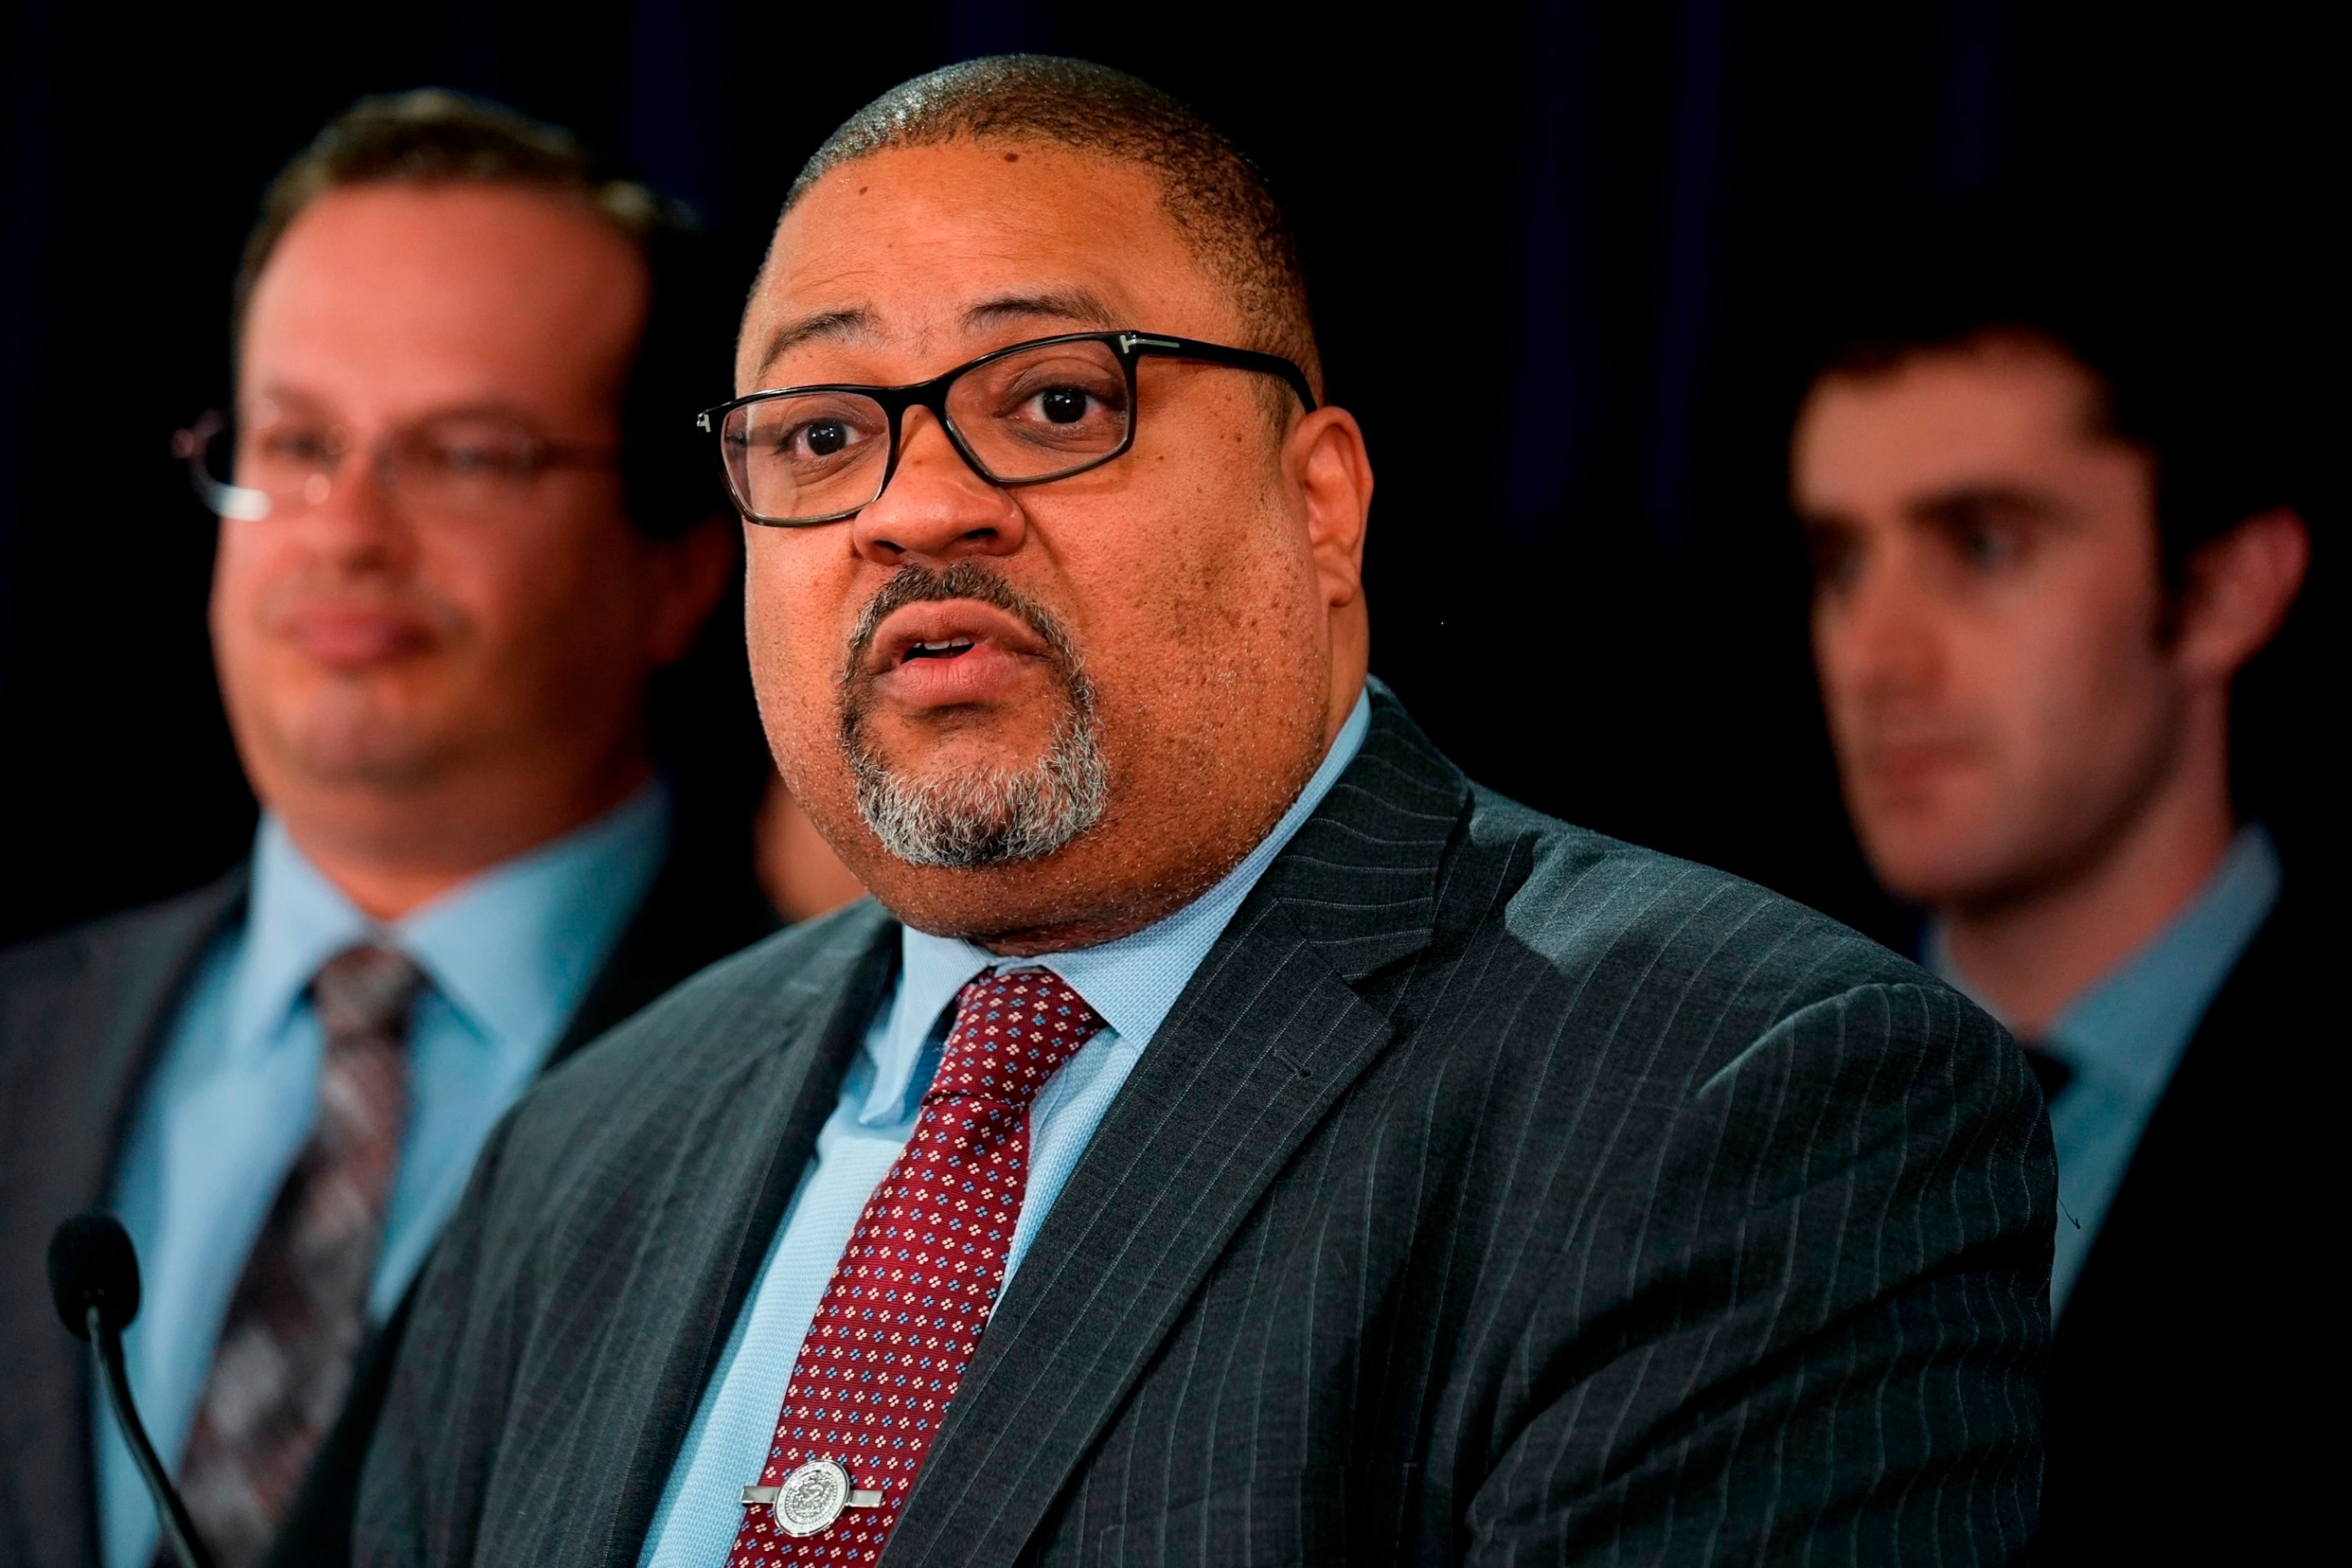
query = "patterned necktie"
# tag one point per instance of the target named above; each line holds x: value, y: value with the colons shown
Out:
x: 915, y: 1285
x: 288, y: 1348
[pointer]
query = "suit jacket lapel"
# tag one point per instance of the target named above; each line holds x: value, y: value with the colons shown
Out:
x: 1267, y: 1037
x: 91, y: 1052
x: 785, y: 1094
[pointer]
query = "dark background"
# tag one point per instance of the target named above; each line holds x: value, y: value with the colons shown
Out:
x: 1567, y: 258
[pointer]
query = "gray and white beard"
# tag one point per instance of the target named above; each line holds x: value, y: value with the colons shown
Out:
x: 989, y: 818
x: 999, y: 815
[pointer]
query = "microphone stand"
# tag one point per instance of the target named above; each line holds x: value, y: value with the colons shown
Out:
x: 180, y: 1536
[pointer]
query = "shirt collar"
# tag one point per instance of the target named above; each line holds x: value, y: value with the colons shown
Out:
x: 511, y: 950
x: 295, y: 921
x: 1132, y: 982
x: 2133, y: 1023
x: 2137, y: 1020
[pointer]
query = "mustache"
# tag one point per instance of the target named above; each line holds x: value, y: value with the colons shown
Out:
x: 285, y: 599
x: 914, y: 584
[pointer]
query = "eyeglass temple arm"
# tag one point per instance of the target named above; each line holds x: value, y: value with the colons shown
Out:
x: 239, y: 501
x: 1218, y: 353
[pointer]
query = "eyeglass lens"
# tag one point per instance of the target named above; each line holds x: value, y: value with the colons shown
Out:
x: 276, y: 463
x: 1036, y: 415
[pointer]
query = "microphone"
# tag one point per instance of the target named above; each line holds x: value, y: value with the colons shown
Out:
x: 94, y: 1280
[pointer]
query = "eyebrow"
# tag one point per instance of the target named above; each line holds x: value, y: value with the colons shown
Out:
x: 309, y: 402
x: 1052, y: 304
x: 1945, y: 507
x: 1079, y: 305
x: 824, y: 325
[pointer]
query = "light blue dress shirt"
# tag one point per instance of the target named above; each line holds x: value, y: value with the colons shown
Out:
x: 2123, y: 1038
x: 508, y: 956
x: 1131, y: 982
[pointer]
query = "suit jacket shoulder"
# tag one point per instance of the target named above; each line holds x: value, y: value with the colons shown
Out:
x: 51, y: 975
x: 1493, y: 1191
x: 1581, y: 889
x: 82, y: 1013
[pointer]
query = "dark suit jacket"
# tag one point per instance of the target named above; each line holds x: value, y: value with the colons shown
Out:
x: 1493, y: 1191
x: 2188, y: 1385
x: 81, y: 1016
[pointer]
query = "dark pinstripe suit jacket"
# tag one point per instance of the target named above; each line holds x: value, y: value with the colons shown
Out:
x: 1495, y: 1192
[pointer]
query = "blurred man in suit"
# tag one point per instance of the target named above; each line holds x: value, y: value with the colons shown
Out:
x: 458, y: 537
x: 1342, y: 1163
x: 2045, y: 549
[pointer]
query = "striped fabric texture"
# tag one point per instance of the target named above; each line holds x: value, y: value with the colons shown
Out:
x: 297, y: 1322
x: 1497, y: 1192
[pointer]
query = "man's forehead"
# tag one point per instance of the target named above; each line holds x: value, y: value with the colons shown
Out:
x: 1046, y: 306
x: 991, y: 190
x: 925, y: 246
x: 478, y: 234
x: 1934, y: 413
x: 438, y: 293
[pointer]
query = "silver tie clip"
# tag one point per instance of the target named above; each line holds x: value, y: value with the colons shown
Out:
x: 811, y: 1498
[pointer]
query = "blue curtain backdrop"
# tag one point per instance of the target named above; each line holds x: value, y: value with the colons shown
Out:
x: 1566, y: 259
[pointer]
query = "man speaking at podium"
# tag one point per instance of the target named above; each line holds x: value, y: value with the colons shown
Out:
x: 1232, y: 1136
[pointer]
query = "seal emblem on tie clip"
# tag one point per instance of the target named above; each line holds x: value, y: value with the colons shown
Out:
x: 811, y: 1499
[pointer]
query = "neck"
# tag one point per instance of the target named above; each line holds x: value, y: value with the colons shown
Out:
x: 2032, y: 953
x: 393, y: 851
x: 1142, y: 903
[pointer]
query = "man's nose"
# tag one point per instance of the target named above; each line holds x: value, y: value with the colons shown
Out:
x: 357, y: 521
x: 1886, y: 632
x: 936, y: 508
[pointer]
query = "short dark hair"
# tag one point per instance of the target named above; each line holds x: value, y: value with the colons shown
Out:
x: 2174, y: 379
x: 1215, y: 196
x: 436, y: 137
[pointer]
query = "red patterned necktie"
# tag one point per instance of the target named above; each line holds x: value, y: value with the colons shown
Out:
x: 915, y: 1285
x: 290, y: 1345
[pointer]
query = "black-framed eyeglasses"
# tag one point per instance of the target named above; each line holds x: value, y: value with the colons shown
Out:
x: 1024, y: 415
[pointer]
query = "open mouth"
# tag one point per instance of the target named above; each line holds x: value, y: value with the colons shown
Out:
x: 936, y: 634
x: 952, y: 653
x: 949, y: 649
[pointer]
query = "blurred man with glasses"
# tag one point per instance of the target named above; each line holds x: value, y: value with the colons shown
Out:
x: 1229, y: 1135
x: 464, y: 520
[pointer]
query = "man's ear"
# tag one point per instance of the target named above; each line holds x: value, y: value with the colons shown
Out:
x: 2240, y: 587
x: 689, y: 572
x: 1325, y: 452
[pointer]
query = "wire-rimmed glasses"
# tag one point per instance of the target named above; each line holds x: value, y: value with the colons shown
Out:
x: 281, y: 461
x: 1024, y: 415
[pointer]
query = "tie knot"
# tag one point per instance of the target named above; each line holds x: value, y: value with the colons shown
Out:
x: 365, y: 991
x: 1011, y: 1032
